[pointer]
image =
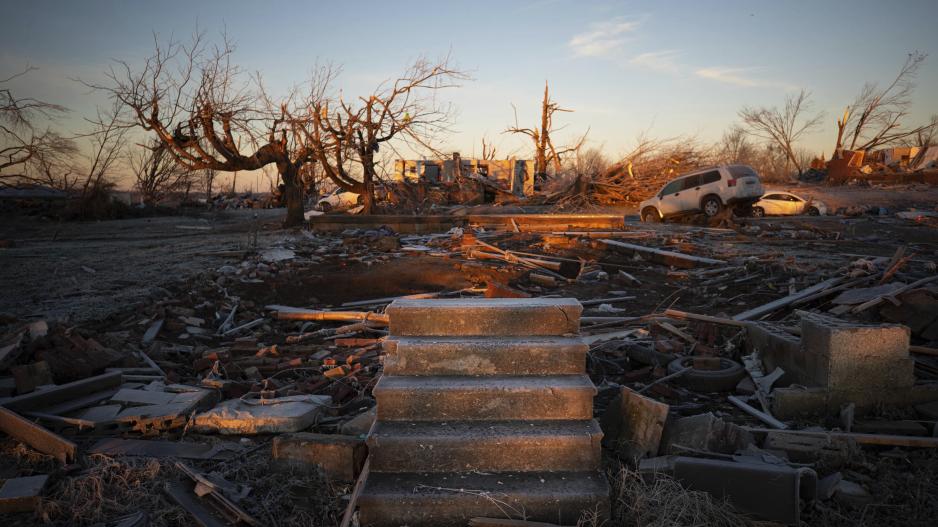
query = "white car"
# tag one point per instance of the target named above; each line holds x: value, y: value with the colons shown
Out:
x: 778, y: 203
x: 338, y: 200
x: 706, y: 190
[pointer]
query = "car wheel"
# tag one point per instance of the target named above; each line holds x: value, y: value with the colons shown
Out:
x: 651, y: 216
x: 712, y: 206
x: 723, y: 379
x: 758, y: 212
x: 812, y: 211
x: 325, y: 206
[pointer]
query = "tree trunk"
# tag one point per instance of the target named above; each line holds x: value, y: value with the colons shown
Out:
x: 292, y: 194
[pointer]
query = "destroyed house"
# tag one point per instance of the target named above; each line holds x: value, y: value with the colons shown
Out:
x: 513, y: 175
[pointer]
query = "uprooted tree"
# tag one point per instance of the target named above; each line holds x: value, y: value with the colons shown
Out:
x: 208, y: 116
x: 29, y: 153
x: 875, y: 118
x: 783, y: 126
x: 347, y: 134
x: 545, y: 153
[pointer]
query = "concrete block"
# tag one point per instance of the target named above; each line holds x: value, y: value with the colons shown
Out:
x: 340, y: 457
x: 484, y: 356
x: 485, y: 317
x: 778, y: 348
x: 21, y: 494
x: 262, y: 416
x: 557, y: 397
x: 497, y: 446
x: 633, y: 424
x: 703, y: 432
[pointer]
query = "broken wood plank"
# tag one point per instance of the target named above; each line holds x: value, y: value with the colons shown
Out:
x: 758, y: 414
x: 64, y: 392
x: 779, y: 303
x: 356, y: 492
x: 612, y: 300
x: 880, y: 299
x: 37, y: 437
x: 664, y: 257
x: 683, y: 315
x: 863, y: 439
x: 287, y: 313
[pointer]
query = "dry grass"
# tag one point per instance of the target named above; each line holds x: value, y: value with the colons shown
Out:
x: 108, y: 488
x: 663, y: 502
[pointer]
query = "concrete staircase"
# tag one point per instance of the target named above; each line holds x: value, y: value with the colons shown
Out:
x: 484, y: 409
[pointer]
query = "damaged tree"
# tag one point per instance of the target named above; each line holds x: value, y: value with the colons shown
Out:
x: 545, y: 153
x: 197, y: 105
x: 346, y: 135
x: 783, y: 127
x: 156, y: 173
x: 28, y: 155
x: 875, y: 117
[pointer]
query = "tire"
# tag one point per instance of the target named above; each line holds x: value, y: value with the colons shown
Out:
x: 711, y: 206
x: 812, y: 211
x: 723, y: 380
x: 758, y: 212
x: 651, y: 216
x: 325, y: 206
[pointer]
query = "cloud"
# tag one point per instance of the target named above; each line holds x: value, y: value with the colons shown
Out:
x: 663, y: 61
x: 738, y: 77
x: 602, y: 38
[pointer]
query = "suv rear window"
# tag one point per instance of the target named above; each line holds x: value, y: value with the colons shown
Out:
x: 740, y: 171
x: 710, y: 177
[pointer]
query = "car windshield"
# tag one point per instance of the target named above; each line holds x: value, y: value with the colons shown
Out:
x: 741, y: 171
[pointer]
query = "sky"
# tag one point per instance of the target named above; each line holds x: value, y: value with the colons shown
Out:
x: 663, y: 68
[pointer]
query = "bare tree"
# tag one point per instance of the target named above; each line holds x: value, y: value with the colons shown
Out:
x: 545, y: 153
x: 346, y: 135
x: 208, y: 116
x: 875, y: 117
x: 734, y: 146
x: 28, y: 154
x: 783, y: 127
x: 156, y: 172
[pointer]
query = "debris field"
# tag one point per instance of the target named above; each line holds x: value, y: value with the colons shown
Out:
x: 771, y: 370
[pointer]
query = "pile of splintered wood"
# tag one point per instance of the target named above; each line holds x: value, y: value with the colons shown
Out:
x: 636, y: 177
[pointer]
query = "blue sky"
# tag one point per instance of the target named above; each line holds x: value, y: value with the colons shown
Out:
x: 666, y: 67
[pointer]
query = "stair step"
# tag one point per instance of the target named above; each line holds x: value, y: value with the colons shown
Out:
x: 484, y: 316
x: 431, y: 500
x: 498, y: 446
x: 549, y: 397
x: 484, y: 356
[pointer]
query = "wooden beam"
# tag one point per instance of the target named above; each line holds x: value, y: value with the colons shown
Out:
x: 37, y: 437
x: 661, y: 256
x: 779, y: 303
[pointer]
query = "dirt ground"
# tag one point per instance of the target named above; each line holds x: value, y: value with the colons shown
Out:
x: 84, y: 271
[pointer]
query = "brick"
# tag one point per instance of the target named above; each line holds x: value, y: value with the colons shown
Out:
x: 339, y: 456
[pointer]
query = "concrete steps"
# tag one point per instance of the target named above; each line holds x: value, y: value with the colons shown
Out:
x: 483, y: 410
x: 493, y: 446
x: 484, y: 398
x: 484, y: 356
x: 436, y: 500
x: 495, y: 317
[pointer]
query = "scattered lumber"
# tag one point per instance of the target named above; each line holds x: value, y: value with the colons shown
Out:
x: 661, y: 256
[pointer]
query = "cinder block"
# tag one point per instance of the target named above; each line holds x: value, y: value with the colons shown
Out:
x: 848, y: 356
x: 778, y: 348
x: 341, y: 457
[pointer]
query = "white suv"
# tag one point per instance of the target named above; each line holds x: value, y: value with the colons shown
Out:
x: 707, y: 190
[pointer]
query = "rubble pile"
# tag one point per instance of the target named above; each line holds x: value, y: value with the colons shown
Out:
x: 775, y: 365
